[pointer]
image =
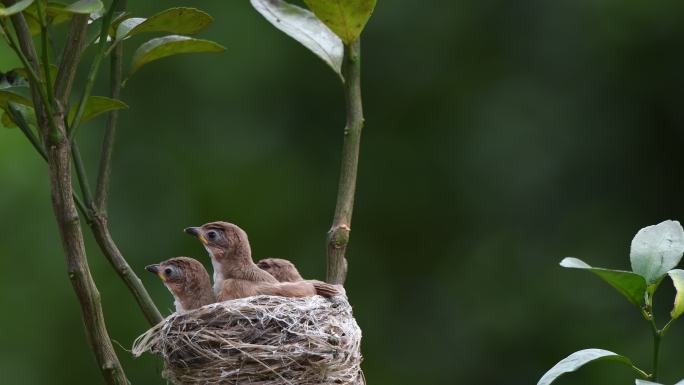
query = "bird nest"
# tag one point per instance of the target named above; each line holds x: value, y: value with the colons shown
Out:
x: 261, y: 340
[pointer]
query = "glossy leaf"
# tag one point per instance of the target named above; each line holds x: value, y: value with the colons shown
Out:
x: 97, y: 105
x: 14, y: 8
x: 677, y: 276
x: 125, y: 27
x: 578, y: 359
x: 162, y: 47
x: 631, y: 285
x: 657, y: 249
x: 84, y: 7
x: 182, y: 21
x: 346, y: 18
x: 303, y: 26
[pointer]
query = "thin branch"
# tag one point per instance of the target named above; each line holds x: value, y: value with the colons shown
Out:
x: 44, y: 45
x: 81, y: 176
x: 94, y: 68
x: 100, y: 229
x: 338, y: 236
x: 104, y: 174
x: 70, y: 58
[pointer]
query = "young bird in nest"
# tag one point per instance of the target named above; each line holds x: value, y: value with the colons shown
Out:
x: 285, y: 271
x: 281, y: 269
x: 236, y: 275
x: 187, y: 280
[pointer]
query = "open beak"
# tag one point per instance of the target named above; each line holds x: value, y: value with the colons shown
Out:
x: 197, y: 233
x: 156, y: 270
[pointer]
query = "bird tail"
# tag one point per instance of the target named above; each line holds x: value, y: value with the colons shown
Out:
x: 326, y: 289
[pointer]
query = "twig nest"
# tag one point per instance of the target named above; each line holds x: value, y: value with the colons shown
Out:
x: 261, y: 340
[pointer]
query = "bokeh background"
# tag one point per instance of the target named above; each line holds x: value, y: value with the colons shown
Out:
x: 501, y: 136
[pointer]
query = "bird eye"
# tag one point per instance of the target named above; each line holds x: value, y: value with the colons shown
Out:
x: 212, y: 235
x: 168, y: 271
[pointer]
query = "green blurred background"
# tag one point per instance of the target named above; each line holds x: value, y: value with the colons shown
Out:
x: 500, y: 137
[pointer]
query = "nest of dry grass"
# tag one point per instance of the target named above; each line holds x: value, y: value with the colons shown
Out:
x: 261, y: 340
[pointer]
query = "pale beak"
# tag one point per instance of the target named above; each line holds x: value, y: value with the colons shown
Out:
x: 156, y: 270
x: 197, y: 233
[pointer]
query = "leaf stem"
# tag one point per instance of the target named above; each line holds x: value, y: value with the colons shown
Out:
x: 338, y: 236
x: 657, y: 336
x: 643, y: 374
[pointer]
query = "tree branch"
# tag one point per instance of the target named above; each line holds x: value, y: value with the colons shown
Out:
x: 61, y: 192
x: 338, y: 236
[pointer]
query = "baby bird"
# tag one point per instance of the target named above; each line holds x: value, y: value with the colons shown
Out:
x: 281, y: 269
x: 285, y: 271
x: 236, y: 275
x: 187, y: 280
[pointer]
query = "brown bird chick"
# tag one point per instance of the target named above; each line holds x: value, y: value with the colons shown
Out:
x: 236, y: 275
x: 281, y: 269
x: 187, y: 280
x: 285, y: 271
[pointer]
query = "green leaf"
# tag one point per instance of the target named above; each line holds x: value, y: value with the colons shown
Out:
x: 631, y: 285
x: 657, y: 249
x: 170, y: 45
x: 578, y: 359
x: 125, y: 27
x: 26, y: 112
x: 346, y: 18
x: 97, y: 105
x: 303, y: 26
x: 84, y: 7
x: 22, y: 104
x: 677, y: 276
x: 182, y: 21
x: 7, y: 96
x: 14, y: 8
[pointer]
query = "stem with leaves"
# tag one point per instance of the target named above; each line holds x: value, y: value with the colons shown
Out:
x: 338, y: 236
x: 61, y: 192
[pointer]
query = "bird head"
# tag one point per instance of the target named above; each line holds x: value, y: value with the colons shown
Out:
x: 225, y: 242
x: 186, y: 278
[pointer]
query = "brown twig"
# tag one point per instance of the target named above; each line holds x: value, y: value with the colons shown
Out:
x: 338, y: 236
